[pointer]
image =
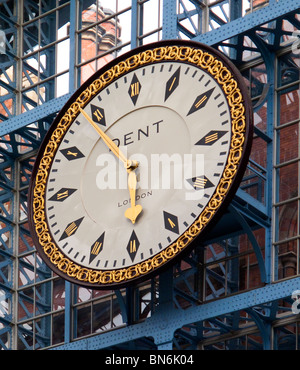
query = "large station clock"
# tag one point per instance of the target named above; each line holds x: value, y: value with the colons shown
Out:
x: 139, y: 163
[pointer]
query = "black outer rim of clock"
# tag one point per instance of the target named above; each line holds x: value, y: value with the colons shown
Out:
x: 228, y: 197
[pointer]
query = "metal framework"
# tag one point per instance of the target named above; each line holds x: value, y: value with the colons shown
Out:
x: 238, y: 289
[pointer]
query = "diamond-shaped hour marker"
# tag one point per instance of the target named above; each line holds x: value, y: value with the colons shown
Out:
x: 172, y: 83
x: 134, y: 89
x: 211, y: 137
x: 62, y: 194
x: 200, y: 182
x: 72, y: 153
x: 171, y: 222
x: 201, y: 101
x: 98, y: 115
x: 96, y: 248
x: 71, y: 228
x: 133, y: 246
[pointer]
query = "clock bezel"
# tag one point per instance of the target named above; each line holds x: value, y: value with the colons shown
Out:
x: 53, y: 260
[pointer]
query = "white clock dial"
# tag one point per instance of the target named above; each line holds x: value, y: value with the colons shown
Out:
x: 173, y: 119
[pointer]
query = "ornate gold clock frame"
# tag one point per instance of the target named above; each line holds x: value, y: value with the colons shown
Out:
x: 191, y: 53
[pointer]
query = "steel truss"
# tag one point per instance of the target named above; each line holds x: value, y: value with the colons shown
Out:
x: 199, y: 301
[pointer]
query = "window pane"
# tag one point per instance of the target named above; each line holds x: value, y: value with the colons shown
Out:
x: 288, y: 182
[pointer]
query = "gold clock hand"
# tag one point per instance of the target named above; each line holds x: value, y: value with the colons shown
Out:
x: 132, y: 212
x: 130, y: 166
x: 111, y: 145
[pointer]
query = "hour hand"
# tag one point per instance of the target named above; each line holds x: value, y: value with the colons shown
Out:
x: 132, y: 212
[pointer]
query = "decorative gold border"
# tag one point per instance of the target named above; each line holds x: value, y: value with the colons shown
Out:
x: 230, y: 87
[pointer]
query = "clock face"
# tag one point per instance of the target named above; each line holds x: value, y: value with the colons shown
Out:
x: 179, y: 114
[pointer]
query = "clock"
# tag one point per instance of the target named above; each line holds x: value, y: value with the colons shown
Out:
x: 139, y: 164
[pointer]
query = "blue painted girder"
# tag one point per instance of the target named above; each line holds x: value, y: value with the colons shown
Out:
x: 163, y: 325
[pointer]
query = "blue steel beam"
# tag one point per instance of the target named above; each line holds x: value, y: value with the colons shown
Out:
x: 169, y: 29
x: 249, y: 21
x: 68, y: 311
x: 72, y: 53
x: 163, y: 325
x: 34, y: 115
x: 134, y: 24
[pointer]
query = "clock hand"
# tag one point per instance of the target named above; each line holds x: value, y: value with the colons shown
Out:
x: 132, y: 212
x: 130, y: 166
x: 111, y: 145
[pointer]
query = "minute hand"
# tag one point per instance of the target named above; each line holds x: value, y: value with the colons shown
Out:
x: 111, y: 145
